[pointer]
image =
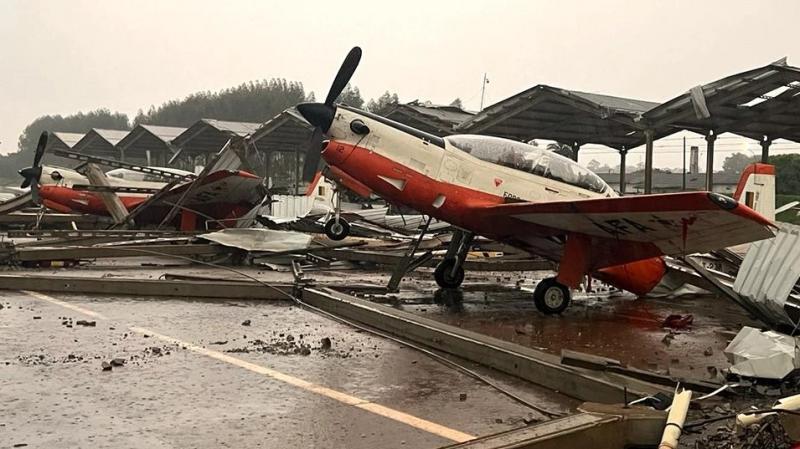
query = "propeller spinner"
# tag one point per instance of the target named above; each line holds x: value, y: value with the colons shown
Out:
x: 320, y: 115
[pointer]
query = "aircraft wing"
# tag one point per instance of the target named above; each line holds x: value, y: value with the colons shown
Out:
x: 672, y: 224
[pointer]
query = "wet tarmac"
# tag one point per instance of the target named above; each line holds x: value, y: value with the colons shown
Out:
x: 213, y: 373
x: 228, y: 374
x: 615, y: 325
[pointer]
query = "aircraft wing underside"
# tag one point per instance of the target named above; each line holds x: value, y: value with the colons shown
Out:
x: 634, y: 227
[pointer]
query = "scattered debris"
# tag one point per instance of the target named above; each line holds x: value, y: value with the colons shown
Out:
x: 246, y: 323
x: 117, y: 361
x: 86, y: 323
x: 106, y: 366
x: 766, y: 355
x: 768, y: 434
x: 678, y: 321
x: 325, y: 344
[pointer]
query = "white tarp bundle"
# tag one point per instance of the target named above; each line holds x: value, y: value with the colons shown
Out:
x: 766, y: 355
x: 260, y: 240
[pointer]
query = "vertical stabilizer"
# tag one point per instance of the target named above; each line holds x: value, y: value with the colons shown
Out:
x: 756, y: 189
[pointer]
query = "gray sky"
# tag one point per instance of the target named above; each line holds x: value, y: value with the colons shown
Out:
x: 60, y: 57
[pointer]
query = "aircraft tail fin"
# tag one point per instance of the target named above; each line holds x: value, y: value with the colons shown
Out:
x: 756, y: 189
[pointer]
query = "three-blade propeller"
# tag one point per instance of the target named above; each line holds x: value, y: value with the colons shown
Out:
x: 320, y: 115
x: 34, y: 172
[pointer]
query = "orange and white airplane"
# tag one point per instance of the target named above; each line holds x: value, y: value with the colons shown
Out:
x: 521, y: 195
x: 217, y: 200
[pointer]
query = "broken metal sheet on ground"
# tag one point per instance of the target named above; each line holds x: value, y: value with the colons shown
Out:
x: 765, y: 355
x: 768, y: 274
x: 259, y: 240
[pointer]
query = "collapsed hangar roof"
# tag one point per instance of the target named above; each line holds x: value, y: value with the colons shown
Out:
x: 547, y: 112
x: 438, y: 120
x: 755, y: 103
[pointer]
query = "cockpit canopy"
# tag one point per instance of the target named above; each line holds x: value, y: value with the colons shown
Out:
x: 530, y: 159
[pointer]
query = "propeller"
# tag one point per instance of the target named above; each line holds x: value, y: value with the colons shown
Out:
x: 34, y: 172
x: 320, y: 115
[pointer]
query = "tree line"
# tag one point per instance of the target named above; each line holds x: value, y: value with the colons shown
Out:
x: 255, y: 101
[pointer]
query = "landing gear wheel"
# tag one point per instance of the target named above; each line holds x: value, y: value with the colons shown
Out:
x: 444, y: 274
x: 337, y: 231
x: 551, y: 297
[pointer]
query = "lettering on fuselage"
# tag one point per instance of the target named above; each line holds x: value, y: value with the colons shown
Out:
x: 509, y: 197
x: 624, y: 226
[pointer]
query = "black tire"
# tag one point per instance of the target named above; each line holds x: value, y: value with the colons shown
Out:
x: 445, y: 278
x: 551, y: 297
x: 336, y: 231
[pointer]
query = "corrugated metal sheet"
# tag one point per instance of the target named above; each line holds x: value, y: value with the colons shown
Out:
x: 290, y: 206
x: 770, y: 271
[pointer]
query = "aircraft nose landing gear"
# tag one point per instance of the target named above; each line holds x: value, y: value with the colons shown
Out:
x: 551, y: 297
x: 337, y: 228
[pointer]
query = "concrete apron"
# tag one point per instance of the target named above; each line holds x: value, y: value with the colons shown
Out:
x: 534, y: 366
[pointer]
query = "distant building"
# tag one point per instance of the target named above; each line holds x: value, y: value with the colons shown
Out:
x: 149, y: 145
x: 101, y: 143
x: 666, y: 182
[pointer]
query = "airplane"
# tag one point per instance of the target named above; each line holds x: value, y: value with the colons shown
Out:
x: 218, y: 199
x: 521, y: 195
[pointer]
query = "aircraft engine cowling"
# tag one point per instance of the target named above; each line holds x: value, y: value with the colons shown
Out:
x: 638, y: 277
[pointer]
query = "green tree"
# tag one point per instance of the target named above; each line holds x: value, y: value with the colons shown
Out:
x: 254, y: 101
x: 736, y: 162
x: 560, y: 148
x: 593, y: 165
x: 351, y: 96
x: 787, y: 173
x: 75, y: 123
x: 457, y: 103
x: 383, y: 104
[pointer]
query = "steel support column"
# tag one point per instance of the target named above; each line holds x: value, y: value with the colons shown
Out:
x: 648, y: 161
x: 710, y: 138
x: 765, y: 143
x: 622, y: 153
x: 576, y: 147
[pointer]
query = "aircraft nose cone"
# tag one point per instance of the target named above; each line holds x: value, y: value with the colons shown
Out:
x: 318, y: 114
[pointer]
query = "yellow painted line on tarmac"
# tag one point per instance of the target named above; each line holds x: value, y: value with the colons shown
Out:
x: 386, y: 412
x: 78, y: 309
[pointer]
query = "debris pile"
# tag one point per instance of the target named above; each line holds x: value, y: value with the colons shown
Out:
x: 768, y: 434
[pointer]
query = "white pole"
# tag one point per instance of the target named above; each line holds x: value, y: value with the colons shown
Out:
x: 483, y: 90
x: 675, y: 420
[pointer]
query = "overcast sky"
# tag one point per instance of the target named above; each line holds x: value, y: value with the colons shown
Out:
x: 60, y: 57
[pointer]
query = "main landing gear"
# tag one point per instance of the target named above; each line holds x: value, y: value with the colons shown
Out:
x: 551, y: 297
x: 450, y: 272
x: 337, y: 228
